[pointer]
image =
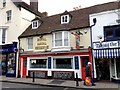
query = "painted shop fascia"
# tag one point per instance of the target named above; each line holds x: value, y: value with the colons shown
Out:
x: 106, y: 44
x: 72, y: 58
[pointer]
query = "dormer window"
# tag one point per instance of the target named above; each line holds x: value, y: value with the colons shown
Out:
x: 65, y: 19
x: 35, y: 24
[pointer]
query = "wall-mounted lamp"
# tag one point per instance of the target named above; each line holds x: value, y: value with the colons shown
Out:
x: 21, y: 50
x: 100, y: 37
x: 85, y: 31
x: 40, y: 36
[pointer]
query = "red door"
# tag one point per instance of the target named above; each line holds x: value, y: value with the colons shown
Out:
x: 24, y: 67
x: 84, y: 61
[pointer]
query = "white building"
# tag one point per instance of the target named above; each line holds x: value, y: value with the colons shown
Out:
x: 15, y: 17
x: 106, y: 43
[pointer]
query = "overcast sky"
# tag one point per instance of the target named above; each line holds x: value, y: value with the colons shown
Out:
x: 59, y: 6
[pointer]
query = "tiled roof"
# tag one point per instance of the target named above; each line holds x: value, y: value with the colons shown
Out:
x: 80, y: 19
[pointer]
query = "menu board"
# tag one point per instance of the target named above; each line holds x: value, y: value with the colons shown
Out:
x: 63, y: 75
x: 38, y: 74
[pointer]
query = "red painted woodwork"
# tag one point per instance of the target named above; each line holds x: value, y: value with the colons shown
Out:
x: 24, y: 67
x: 83, y: 70
x: 23, y: 58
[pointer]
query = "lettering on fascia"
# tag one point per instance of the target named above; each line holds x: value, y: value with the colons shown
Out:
x: 41, y: 44
x: 119, y: 43
x: 112, y: 44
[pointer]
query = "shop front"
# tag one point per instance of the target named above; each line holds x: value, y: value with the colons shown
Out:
x: 107, y: 60
x: 8, y: 62
x: 57, y: 65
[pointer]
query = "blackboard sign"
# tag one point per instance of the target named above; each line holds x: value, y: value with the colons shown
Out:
x: 38, y: 74
x: 63, y: 75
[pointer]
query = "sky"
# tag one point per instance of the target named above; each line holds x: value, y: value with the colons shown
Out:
x: 53, y: 7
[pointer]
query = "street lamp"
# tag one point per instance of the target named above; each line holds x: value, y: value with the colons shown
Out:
x: 94, y: 23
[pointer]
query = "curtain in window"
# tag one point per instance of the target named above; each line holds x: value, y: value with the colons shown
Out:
x: 3, y: 35
x: 61, y: 38
x: 58, y: 39
x: 30, y: 43
x: 65, y: 38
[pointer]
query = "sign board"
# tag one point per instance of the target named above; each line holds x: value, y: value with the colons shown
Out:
x: 63, y: 75
x: 103, y: 45
x: 9, y: 48
x: 41, y: 44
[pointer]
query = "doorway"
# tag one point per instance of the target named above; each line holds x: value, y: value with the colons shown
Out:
x: 84, y: 61
x: 102, y: 69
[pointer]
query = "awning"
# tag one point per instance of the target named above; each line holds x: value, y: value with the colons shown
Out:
x: 106, y: 53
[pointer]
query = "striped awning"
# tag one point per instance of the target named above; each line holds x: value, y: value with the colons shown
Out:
x: 106, y: 53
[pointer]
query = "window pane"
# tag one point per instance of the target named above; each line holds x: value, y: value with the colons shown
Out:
x: 38, y: 63
x: 58, y: 39
x: 65, y: 18
x: 58, y: 36
x: 65, y: 42
x: 9, y: 15
x: 3, y: 35
x: 63, y: 63
x: 65, y: 38
x: 117, y: 32
x: 58, y: 42
x: 30, y: 43
x: 109, y: 33
x: 66, y: 35
x: 61, y: 37
x: 35, y: 24
x: 118, y: 67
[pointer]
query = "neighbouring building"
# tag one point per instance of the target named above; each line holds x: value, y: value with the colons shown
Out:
x: 58, y: 46
x: 15, y: 17
x: 106, y: 43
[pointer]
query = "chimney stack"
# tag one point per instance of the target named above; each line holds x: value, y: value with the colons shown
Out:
x: 34, y: 4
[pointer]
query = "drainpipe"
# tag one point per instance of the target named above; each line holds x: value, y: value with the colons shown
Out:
x: 94, y: 23
x: 18, y: 58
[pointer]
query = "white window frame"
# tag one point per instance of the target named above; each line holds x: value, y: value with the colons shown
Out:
x: 62, y: 47
x: 65, y: 19
x: 65, y: 57
x: 9, y: 15
x: 29, y: 43
x: 35, y: 24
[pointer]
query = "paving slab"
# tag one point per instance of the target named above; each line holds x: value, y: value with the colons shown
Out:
x: 60, y: 83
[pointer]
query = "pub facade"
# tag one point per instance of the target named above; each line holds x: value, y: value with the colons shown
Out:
x: 57, y: 49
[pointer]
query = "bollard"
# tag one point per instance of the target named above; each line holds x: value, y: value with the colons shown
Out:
x: 77, y: 84
x: 33, y: 76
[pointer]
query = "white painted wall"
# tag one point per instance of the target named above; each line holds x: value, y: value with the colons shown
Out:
x: 103, y: 19
x: 18, y: 23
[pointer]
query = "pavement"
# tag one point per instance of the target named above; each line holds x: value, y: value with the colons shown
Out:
x: 60, y: 83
